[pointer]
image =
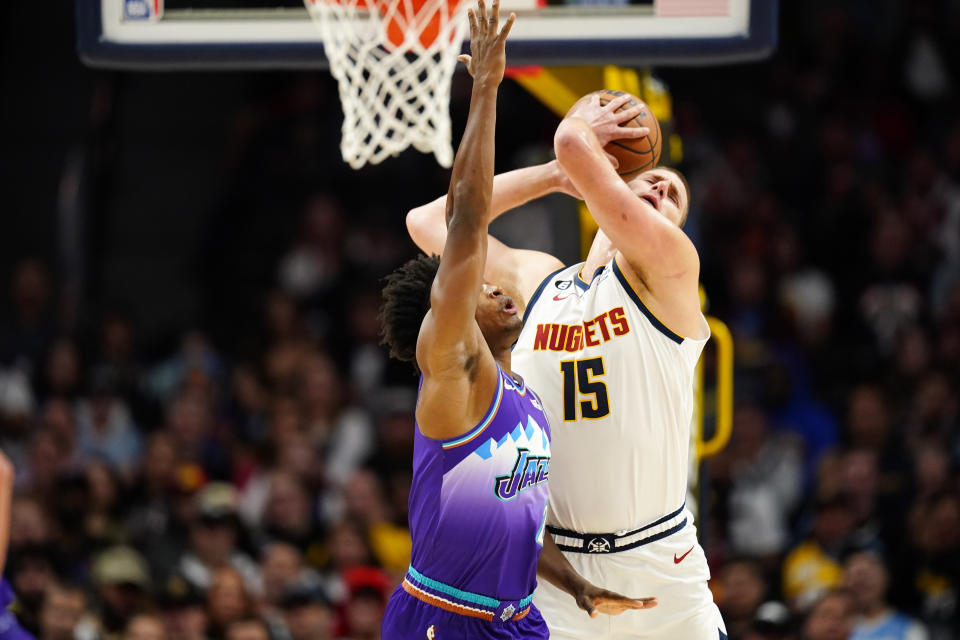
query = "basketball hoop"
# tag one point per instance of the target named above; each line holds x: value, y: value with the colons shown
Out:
x: 393, y: 61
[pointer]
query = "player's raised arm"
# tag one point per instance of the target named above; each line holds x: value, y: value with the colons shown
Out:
x: 652, y: 243
x: 451, y: 335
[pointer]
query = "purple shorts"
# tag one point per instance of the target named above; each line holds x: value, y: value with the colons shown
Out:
x: 408, y: 618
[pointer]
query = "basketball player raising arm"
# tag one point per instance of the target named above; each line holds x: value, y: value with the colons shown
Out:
x: 611, y: 346
x: 481, y: 453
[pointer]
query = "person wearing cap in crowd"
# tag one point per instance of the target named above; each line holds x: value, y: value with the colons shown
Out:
x: 865, y: 575
x: 182, y: 610
x: 307, y: 613
x: 369, y: 589
x: 771, y: 621
x: 122, y: 583
x: 213, y: 540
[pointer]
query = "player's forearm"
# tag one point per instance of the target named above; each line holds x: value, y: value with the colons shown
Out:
x: 427, y: 224
x: 554, y: 567
x: 471, y: 181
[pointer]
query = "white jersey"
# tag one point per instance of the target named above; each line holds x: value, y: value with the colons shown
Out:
x: 617, y: 386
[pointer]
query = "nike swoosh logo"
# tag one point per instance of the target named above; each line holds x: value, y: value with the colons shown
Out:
x: 559, y: 297
x: 677, y: 560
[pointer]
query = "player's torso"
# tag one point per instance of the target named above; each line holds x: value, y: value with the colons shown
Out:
x: 478, y: 502
x: 617, y: 388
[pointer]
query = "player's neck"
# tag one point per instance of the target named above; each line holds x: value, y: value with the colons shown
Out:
x: 502, y: 356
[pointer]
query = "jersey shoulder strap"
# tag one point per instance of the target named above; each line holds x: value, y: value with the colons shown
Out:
x: 559, y: 279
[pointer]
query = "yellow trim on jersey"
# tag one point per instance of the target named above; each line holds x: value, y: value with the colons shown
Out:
x: 645, y: 308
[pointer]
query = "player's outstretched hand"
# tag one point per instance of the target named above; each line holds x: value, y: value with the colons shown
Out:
x: 595, y: 601
x: 487, y: 58
x: 605, y: 120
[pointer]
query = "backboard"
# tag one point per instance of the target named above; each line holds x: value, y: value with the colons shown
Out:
x: 264, y: 34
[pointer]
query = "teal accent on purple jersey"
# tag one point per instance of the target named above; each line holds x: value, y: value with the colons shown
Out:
x: 478, y: 503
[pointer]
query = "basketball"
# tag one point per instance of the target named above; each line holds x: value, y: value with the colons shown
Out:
x: 634, y: 154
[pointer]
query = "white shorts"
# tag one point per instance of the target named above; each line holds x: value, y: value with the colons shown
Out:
x: 685, y: 609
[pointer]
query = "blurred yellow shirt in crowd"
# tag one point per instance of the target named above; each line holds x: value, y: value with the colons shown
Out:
x: 808, y: 572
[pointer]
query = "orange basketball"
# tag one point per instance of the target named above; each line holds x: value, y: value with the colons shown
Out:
x: 634, y: 154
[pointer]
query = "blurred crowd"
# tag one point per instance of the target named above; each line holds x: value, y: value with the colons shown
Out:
x: 258, y: 490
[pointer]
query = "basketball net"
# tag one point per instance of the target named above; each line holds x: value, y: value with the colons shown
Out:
x: 393, y: 61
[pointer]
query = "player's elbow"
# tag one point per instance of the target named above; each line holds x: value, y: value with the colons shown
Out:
x: 417, y: 224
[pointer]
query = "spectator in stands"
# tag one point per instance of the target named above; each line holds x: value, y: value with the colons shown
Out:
x: 813, y: 567
x: 247, y: 629
x: 364, y: 503
x: 930, y: 568
x: 144, y: 627
x: 105, y: 428
x: 29, y: 329
x: 182, y: 609
x: 369, y: 589
x: 867, y: 579
x: 63, y: 612
x: 742, y: 589
x: 228, y: 601
x: 830, y: 617
x: 122, y: 581
x: 307, y: 614
x: 213, y: 539
x: 766, y: 473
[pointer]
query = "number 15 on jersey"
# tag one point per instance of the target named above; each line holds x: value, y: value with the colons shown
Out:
x: 580, y: 381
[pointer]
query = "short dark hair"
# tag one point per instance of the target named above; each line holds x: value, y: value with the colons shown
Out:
x: 406, y: 300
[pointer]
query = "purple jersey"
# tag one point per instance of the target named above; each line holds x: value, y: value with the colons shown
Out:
x: 477, y: 509
x: 10, y: 628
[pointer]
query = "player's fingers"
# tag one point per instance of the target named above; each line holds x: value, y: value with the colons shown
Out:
x: 509, y: 25
x: 618, y: 102
x: 629, y: 113
x: 632, y: 132
x: 465, y: 59
x: 481, y: 14
x: 495, y: 14
x: 616, y: 600
x: 472, y: 18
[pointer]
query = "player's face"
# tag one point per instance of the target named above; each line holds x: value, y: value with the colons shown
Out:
x: 498, y: 316
x: 663, y: 191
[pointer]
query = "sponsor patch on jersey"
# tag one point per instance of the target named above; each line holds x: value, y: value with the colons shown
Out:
x: 563, y: 285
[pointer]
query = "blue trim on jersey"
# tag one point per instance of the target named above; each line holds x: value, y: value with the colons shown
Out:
x: 487, y: 419
x: 538, y: 292
x: 659, y: 326
x: 460, y: 594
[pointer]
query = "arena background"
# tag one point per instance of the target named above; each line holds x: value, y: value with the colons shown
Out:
x: 188, y: 353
